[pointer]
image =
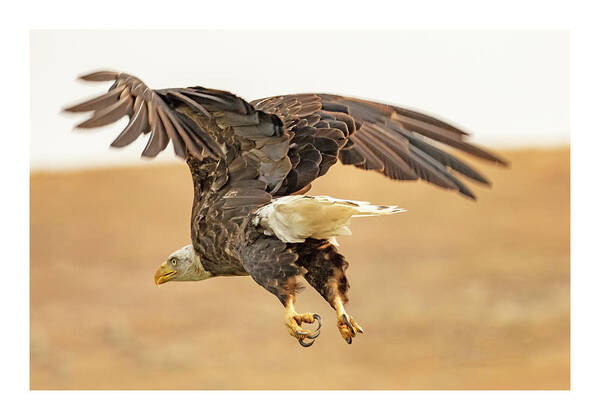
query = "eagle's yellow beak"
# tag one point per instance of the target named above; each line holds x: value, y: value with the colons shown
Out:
x: 163, y: 274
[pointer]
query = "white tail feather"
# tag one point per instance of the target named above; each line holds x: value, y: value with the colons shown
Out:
x: 295, y: 218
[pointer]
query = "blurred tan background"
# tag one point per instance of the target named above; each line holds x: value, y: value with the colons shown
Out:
x: 452, y: 294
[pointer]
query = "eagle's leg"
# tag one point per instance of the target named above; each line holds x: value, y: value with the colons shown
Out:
x: 346, y: 324
x: 273, y: 266
x: 326, y: 272
x: 294, y: 320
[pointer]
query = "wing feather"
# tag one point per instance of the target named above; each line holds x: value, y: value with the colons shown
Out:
x: 283, y: 142
x: 108, y: 115
x: 100, y: 102
x: 136, y: 124
x: 419, y: 163
x: 148, y: 113
x: 372, y: 136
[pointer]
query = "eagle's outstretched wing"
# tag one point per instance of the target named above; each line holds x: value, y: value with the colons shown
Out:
x: 372, y: 136
x: 147, y: 112
x: 249, y: 147
x: 277, y: 146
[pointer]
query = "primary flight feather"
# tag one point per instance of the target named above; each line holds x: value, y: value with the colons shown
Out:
x: 252, y: 163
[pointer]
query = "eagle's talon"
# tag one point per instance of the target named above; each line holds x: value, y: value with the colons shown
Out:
x: 307, y: 334
x: 294, y: 320
x: 356, y: 326
x: 307, y: 344
x: 349, y: 325
x: 314, y: 335
x: 318, y: 318
x: 346, y: 324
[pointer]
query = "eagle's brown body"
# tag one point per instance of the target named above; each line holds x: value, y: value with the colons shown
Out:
x: 229, y: 245
x: 242, y: 156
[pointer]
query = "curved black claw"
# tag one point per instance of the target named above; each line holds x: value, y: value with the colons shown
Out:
x: 318, y: 318
x: 311, y: 335
x: 349, y: 325
x: 307, y: 344
x: 349, y: 340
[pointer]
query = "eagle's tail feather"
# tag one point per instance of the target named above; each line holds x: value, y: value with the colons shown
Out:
x: 295, y: 218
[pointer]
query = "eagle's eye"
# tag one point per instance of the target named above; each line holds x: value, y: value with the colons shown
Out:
x: 173, y: 261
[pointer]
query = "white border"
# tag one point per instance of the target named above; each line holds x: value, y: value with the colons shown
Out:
x: 372, y: 14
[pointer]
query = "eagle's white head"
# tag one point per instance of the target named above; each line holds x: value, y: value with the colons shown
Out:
x: 182, y: 265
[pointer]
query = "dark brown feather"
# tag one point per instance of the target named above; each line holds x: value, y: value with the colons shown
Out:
x: 372, y: 136
x: 100, y: 76
x: 136, y: 126
x: 99, y: 102
x: 108, y: 115
x: 148, y: 113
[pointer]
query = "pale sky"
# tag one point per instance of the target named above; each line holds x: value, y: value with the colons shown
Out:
x: 507, y: 88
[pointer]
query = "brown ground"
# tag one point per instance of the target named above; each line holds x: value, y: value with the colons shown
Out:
x: 452, y: 294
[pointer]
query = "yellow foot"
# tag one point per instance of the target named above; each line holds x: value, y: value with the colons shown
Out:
x: 294, y: 320
x: 346, y: 324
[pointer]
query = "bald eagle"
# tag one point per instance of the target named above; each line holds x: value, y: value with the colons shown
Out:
x: 252, y: 164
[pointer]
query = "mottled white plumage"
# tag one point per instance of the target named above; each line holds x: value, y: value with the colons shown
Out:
x: 294, y: 218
